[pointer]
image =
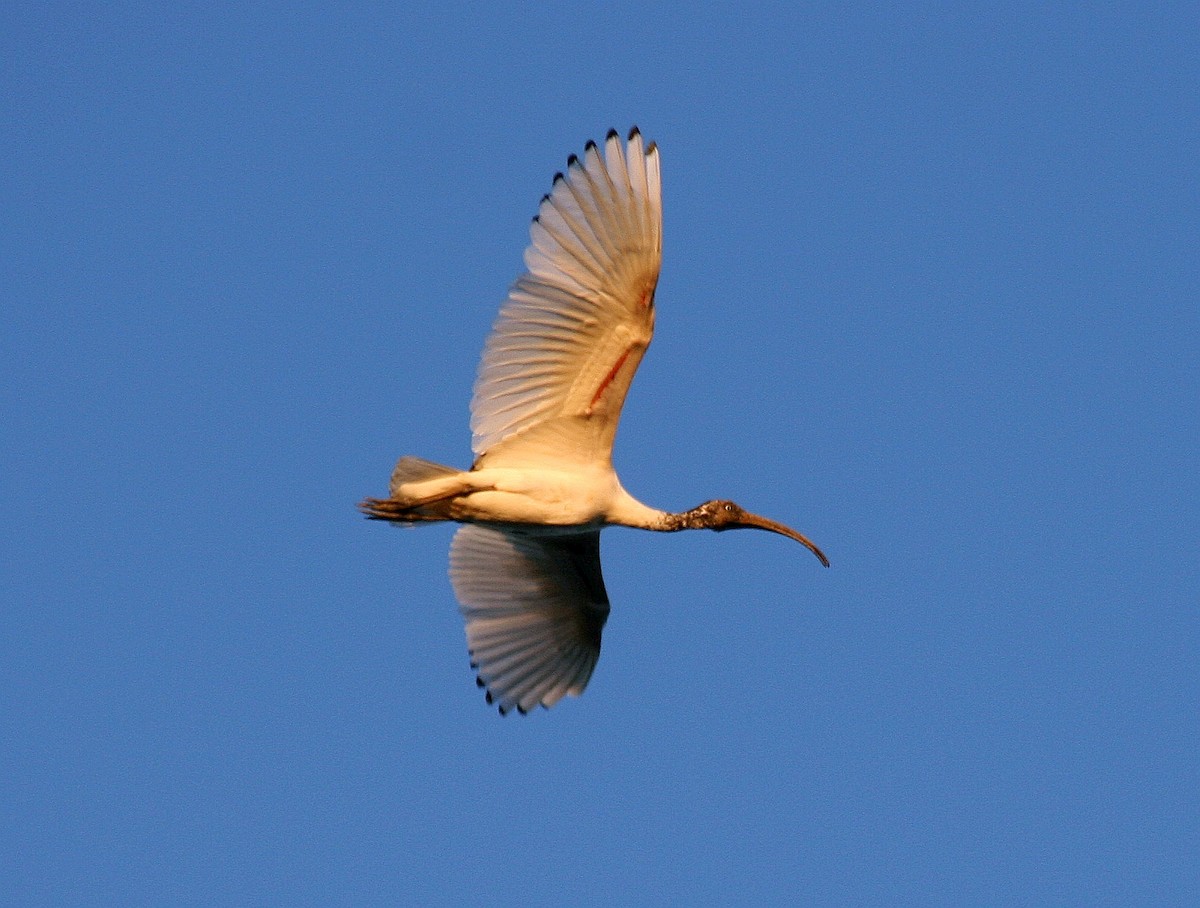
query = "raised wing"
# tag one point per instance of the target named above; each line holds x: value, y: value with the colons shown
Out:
x: 575, y: 325
x: 534, y: 608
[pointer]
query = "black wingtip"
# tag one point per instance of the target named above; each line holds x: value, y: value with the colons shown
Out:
x: 572, y: 160
x: 611, y: 134
x: 590, y: 145
x: 634, y: 131
x: 558, y: 177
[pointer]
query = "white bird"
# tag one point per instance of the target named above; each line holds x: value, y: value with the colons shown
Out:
x: 525, y: 565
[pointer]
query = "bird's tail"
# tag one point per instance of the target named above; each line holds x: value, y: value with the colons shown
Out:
x: 415, y: 497
x: 414, y: 469
x: 398, y: 512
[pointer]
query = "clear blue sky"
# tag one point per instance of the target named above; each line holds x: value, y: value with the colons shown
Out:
x: 930, y: 294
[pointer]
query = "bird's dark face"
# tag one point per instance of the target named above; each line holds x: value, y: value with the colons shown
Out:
x: 720, y: 515
x: 725, y: 515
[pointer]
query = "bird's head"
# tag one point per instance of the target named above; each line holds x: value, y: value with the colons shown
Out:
x: 722, y: 515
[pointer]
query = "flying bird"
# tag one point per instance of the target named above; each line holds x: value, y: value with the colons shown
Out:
x: 525, y: 564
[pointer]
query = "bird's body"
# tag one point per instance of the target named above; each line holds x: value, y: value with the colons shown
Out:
x: 536, y: 500
x: 555, y: 372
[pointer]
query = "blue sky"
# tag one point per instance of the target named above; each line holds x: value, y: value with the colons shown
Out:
x: 929, y: 295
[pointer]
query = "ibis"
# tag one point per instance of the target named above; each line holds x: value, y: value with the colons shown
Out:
x: 525, y: 562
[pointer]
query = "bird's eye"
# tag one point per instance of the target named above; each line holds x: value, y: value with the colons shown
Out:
x: 729, y: 507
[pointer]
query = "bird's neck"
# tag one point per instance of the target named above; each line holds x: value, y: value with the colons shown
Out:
x: 627, y: 511
x: 684, y: 520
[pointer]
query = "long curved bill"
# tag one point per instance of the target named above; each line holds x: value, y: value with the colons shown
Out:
x: 753, y: 521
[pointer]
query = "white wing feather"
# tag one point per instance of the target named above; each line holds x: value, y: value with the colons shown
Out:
x: 575, y: 325
x: 534, y: 608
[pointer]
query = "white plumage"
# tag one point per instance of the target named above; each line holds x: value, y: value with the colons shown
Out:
x: 555, y: 371
x: 534, y: 608
x: 583, y: 308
